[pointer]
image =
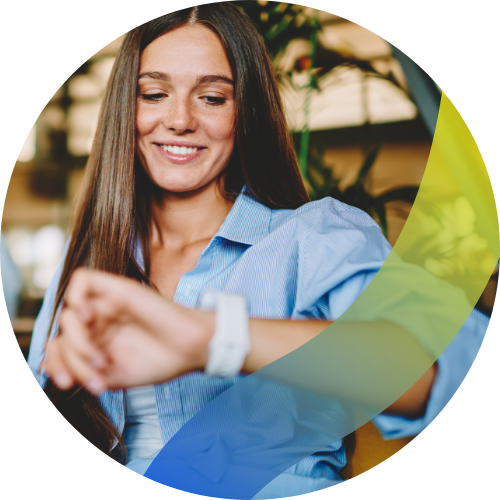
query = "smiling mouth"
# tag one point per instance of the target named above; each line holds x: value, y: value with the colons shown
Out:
x: 179, y: 150
x: 180, y: 155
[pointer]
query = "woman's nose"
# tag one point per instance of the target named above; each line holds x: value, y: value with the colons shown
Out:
x: 181, y: 116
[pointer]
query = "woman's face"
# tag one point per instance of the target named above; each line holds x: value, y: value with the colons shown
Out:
x: 185, y: 109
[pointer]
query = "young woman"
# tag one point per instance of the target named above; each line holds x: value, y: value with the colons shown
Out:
x: 192, y: 185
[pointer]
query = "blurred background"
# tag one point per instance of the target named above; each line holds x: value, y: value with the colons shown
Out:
x: 361, y: 113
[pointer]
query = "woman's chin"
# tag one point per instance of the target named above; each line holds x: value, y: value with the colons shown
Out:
x: 182, y: 187
x: 175, y: 182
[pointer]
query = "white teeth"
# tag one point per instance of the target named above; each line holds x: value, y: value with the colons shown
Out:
x: 179, y: 150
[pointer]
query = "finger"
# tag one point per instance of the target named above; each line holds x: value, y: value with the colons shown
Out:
x: 76, y: 295
x: 75, y: 336
x: 83, y: 372
x: 54, y: 367
x: 79, y: 355
x: 87, y: 284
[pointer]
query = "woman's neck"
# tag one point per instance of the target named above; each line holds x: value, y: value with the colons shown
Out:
x: 181, y: 219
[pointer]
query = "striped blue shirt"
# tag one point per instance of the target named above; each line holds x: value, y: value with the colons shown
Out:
x: 312, y: 262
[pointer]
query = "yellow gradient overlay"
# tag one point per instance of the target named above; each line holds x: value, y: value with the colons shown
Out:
x: 421, y: 296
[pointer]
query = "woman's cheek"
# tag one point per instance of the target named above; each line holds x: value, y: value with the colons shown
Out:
x: 145, y: 121
x: 220, y: 126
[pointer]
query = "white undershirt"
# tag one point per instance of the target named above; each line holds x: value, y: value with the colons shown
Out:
x: 142, y: 434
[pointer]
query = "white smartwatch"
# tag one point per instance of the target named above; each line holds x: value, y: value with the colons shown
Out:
x: 230, y: 343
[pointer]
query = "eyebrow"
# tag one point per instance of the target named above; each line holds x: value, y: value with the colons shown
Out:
x: 165, y: 77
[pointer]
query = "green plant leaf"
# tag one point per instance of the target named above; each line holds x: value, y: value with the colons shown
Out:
x: 367, y: 164
x: 404, y: 193
x: 380, y: 212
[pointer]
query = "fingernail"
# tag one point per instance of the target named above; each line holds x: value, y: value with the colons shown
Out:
x: 96, y: 362
x: 94, y: 386
x: 62, y: 380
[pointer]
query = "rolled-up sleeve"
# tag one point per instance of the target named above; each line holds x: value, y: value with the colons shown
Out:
x: 453, y: 366
x: 342, y: 253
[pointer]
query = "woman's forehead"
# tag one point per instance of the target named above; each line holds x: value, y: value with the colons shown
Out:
x: 189, y: 49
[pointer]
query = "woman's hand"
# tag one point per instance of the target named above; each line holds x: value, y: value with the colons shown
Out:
x: 116, y: 333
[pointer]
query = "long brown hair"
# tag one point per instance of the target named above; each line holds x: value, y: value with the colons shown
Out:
x: 113, y: 209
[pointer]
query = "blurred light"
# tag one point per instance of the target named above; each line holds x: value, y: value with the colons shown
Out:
x: 48, y: 244
x: 42, y: 275
x: 37, y: 254
x: 28, y: 150
x: 102, y: 69
x: 340, y: 103
x: 82, y: 120
x: 53, y: 117
x: 352, y: 38
x: 20, y: 244
x: 84, y: 87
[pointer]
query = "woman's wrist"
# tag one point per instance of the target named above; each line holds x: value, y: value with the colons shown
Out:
x: 202, y: 335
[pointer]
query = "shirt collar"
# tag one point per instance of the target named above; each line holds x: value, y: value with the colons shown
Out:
x: 248, y: 221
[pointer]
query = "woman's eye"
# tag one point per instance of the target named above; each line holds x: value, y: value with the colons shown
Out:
x: 152, y: 97
x: 214, y: 101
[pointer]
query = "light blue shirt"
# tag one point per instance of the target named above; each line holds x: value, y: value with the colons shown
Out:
x: 312, y: 262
